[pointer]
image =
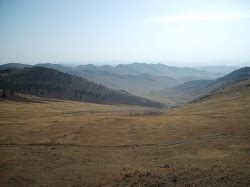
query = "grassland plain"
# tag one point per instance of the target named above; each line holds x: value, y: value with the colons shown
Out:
x: 75, y: 143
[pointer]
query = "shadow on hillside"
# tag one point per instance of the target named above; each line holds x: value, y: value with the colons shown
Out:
x: 26, y: 99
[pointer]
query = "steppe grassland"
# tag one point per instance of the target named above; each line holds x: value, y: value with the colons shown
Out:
x: 81, y: 143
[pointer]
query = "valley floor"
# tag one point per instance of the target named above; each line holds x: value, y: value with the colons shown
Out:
x: 73, y: 143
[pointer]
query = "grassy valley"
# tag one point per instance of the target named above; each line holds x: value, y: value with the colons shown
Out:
x: 125, y: 93
x: 72, y: 143
x: 49, y: 137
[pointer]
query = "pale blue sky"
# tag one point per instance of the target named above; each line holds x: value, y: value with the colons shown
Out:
x: 177, y: 32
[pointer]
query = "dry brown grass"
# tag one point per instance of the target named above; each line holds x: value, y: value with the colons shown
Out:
x: 72, y: 143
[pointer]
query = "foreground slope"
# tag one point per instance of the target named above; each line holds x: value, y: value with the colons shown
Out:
x: 51, y: 83
x: 206, y: 143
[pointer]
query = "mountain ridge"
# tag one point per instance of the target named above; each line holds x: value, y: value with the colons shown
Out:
x: 55, y: 84
x: 196, y: 89
x: 136, y: 78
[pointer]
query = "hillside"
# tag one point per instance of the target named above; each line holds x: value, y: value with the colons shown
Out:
x: 137, y: 84
x: 205, y: 143
x: 235, y: 81
x: 14, y: 66
x: 201, y: 88
x: 236, y: 90
x: 137, y: 78
x: 51, y: 83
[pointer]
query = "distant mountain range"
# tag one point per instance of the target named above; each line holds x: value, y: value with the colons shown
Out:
x: 137, y: 78
x: 218, y: 69
x: 14, y: 66
x: 113, y: 84
x: 52, y: 83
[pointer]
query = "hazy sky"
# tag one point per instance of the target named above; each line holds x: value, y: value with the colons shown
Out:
x: 178, y: 32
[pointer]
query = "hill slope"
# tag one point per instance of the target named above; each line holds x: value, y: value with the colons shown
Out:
x: 153, y: 69
x: 138, y: 78
x: 51, y: 83
x: 202, y: 144
x: 237, y: 80
x: 14, y: 66
x: 201, y: 88
x: 137, y: 84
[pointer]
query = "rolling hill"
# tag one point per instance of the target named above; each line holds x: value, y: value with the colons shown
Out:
x: 137, y: 84
x: 137, y: 78
x: 14, y: 66
x: 140, y: 78
x: 197, y: 89
x: 205, y: 143
x: 51, y: 83
x: 153, y: 69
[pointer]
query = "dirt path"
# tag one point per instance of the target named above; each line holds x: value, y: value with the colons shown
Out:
x: 133, y: 146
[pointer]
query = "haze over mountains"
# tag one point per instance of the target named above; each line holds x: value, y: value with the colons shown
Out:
x: 219, y: 69
x: 131, y: 77
x: 218, y: 109
x: 52, y: 83
x: 148, y: 93
x: 113, y: 84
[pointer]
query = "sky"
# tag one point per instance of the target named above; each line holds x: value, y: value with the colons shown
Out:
x: 174, y: 32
